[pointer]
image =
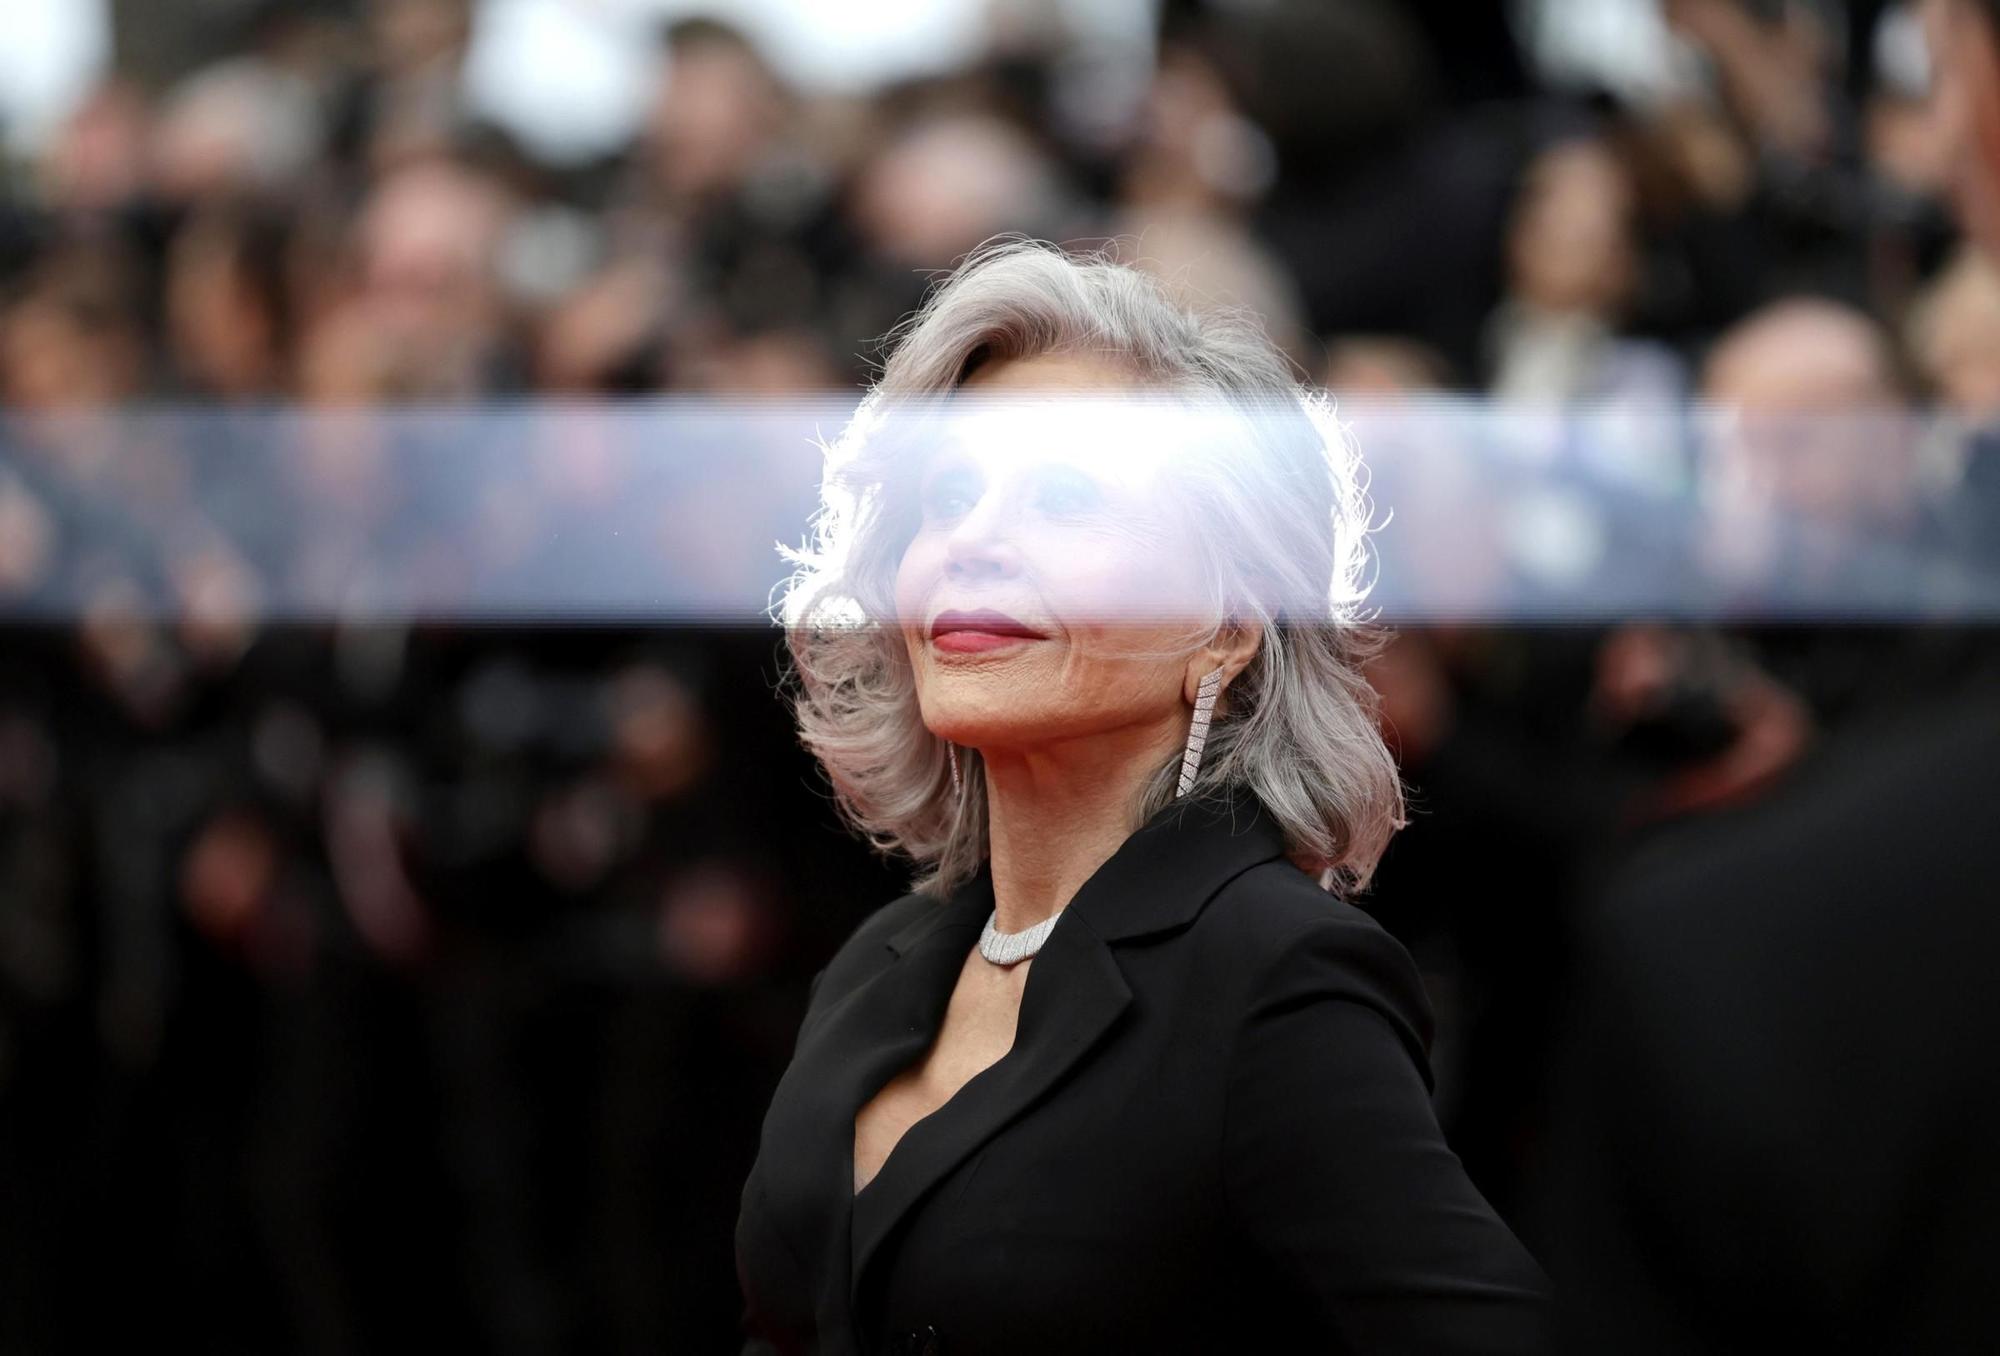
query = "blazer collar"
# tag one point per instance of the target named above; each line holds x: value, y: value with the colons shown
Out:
x: 1158, y: 879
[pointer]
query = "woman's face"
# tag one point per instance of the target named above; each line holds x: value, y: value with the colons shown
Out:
x: 1038, y: 596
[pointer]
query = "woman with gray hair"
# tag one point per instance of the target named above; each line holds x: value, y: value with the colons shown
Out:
x: 1077, y: 633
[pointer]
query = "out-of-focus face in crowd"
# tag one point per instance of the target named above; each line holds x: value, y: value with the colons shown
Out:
x: 1817, y: 425
x: 427, y: 240
x: 947, y: 184
x: 1965, y: 47
x: 409, y: 35
x: 427, y: 311
x: 69, y: 343
x: 1954, y: 336
x: 222, y: 309
x: 1571, y: 249
x: 718, y: 111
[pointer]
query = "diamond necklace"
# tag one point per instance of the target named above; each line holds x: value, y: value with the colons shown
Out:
x: 1010, y: 948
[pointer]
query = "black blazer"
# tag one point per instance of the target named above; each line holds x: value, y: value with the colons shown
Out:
x: 1213, y: 1133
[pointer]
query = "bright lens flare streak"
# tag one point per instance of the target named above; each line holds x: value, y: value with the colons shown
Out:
x: 704, y: 512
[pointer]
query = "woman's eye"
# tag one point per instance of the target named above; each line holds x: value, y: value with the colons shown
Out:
x: 948, y: 496
x: 1064, y: 492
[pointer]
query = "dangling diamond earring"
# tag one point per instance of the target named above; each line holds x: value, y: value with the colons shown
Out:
x: 1204, y: 706
x: 951, y: 753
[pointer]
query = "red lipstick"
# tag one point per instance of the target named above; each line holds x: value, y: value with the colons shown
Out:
x: 973, y: 632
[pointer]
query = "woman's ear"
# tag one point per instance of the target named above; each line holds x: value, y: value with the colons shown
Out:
x: 1231, y: 651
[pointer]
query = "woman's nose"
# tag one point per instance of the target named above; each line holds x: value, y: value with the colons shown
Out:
x: 981, y: 546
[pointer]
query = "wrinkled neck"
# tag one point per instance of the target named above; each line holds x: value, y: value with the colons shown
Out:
x: 1056, y: 813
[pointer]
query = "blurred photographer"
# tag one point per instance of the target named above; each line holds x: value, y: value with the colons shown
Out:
x: 1778, y: 1113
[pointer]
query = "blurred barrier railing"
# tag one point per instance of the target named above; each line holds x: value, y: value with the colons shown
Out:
x: 672, y: 511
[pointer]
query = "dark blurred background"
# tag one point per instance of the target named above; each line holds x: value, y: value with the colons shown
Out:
x: 371, y: 979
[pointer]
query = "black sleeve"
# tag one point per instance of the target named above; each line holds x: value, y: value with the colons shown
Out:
x: 753, y: 1227
x: 1336, y: 1170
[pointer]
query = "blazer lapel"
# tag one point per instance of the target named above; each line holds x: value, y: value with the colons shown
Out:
x: 1158, y: 879
x: 867, y: 1037
x: 1074, y: 995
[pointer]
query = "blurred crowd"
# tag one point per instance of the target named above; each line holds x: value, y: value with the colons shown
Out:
x: 363, y: 983
x: 1403, y: 188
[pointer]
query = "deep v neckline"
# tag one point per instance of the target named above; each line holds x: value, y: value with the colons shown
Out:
x: 882, y: 1168
x: 926, y: 1010
x: 958, y: 1095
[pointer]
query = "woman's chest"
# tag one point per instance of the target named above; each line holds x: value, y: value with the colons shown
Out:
x: 977, y: 1032
x: 1084, y: 1163
x: 1104, y: 1201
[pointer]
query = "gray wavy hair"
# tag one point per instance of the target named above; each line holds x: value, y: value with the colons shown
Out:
x: 1281, y: 533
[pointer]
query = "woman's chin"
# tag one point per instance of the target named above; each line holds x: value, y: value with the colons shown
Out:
x: 982, y: 729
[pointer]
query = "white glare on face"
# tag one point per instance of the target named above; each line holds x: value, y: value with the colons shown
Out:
x: 1122, y: 439
x: 1064, y: 506
x: 1049, y: 588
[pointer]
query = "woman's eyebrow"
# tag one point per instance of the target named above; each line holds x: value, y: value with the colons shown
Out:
x: 1053, y: 461
x: 942, y: 462
x: 1054, y: 467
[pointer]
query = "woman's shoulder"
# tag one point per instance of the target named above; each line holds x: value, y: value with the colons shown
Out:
x: 874, y: 932
x: 866, y: 949
x: 1274, y: 907
x: 1275, y: 925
